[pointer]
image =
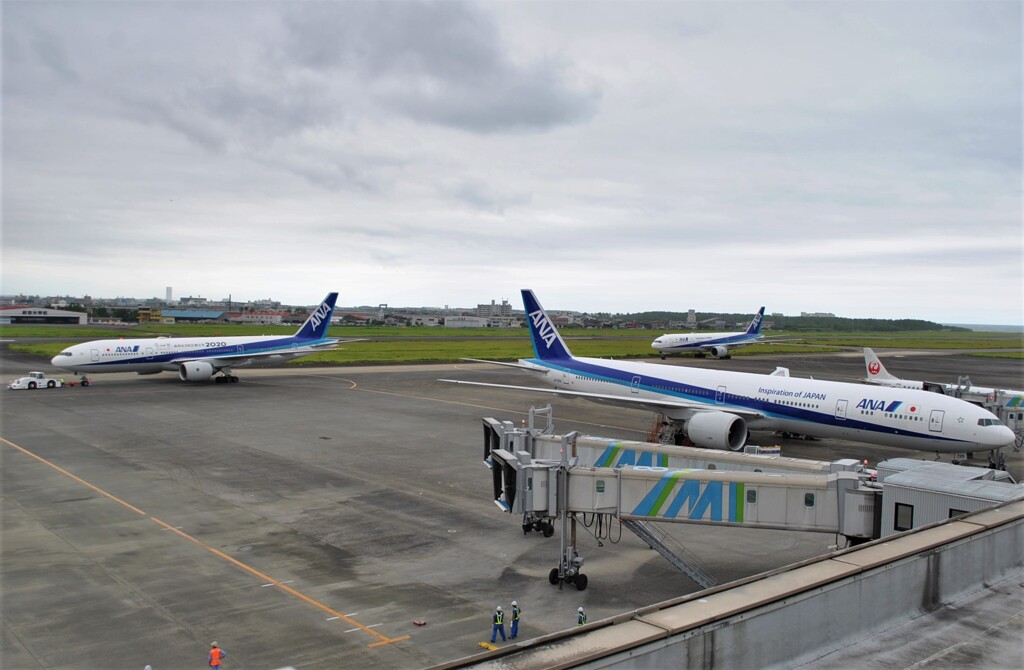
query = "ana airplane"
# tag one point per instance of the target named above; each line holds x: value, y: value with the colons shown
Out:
x: 198, y: 359
x: 716, y: 408
x: 716, y: 344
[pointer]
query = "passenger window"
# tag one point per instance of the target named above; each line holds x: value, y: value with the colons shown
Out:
x: 808, y: 500
x: 751, y: 497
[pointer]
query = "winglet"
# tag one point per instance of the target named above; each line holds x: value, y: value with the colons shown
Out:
x: 755, y: 325
x: 315, y: 327
x: 547, y: 342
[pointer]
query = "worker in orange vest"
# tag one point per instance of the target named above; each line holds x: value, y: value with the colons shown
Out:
x: 216, y: 655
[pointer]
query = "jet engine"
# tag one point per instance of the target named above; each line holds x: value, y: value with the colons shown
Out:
x: 195, y: 371
x: 717, y: 430
x: 720, y: 352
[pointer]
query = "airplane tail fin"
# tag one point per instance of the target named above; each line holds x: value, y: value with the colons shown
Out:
x: 876, y: 371
x: 755, y: 325
x: 547, y: 342
x: 315, y: 327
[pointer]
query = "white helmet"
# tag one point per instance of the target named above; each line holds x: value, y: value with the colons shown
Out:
x: 499, y: 608
x: 514, y: 603
x: 580, y: 609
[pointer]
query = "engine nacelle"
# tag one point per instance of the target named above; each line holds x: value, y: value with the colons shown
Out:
x: 195, y: 371
x: 717, y: 430
x: 720, y: 352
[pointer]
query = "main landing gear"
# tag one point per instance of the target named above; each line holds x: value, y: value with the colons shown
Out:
x: 226, y: 379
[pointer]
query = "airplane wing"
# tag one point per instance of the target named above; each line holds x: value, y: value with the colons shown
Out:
x: 226, y: 360
x: 519, y: 366
x: 652, y: 404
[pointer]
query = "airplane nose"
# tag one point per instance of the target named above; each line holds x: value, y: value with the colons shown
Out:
x: 54, y: 363
x: 1004, y: 437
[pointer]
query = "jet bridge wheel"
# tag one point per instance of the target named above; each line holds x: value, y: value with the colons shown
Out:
x: 553, y: 576
x: 581, y: 582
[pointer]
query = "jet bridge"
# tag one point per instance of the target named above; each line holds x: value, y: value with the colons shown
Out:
x: 548, y: 478
x: 567, y: 479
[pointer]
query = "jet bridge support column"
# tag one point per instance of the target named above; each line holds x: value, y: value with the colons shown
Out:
x: 570, y: 563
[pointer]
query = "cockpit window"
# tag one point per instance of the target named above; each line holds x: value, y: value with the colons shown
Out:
x: 64, y: 353
x: 989, y: 422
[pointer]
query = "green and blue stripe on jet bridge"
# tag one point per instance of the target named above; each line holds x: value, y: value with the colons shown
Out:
x: 615, y: 456
x: 701, y: 503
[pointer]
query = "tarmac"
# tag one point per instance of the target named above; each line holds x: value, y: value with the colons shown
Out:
x: 328, y: 517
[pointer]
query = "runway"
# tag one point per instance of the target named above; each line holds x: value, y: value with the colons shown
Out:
x: 311, y: 516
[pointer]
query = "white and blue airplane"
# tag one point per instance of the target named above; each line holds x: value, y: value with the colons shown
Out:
x: 716, y: 344
x: 716, y: 408
x: 198, y: 359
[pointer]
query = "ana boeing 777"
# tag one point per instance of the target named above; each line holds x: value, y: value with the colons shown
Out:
x: 716, y: 344
x: 715, y: 408
x: 198, y: 359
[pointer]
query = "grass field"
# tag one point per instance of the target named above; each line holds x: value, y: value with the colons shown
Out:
x: 424, y: 344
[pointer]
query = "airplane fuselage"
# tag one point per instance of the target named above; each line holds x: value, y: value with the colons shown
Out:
x: 151, y: 355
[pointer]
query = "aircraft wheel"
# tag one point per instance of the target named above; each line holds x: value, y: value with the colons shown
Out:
x: 549, y: 529
x: 581, y: 582
x: 234, y: 379
x: 553, y: 576
x: 85, y: 382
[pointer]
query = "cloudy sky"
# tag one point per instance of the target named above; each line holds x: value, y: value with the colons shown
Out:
x: 861, y: 158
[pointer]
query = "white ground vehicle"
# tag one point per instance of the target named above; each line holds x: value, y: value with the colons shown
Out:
x: 35, y: 380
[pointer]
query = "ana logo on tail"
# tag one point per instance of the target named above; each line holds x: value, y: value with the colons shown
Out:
x: 545, y: 330
x: 318, y: 315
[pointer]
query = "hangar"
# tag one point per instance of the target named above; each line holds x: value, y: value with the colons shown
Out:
x: 21, y: 314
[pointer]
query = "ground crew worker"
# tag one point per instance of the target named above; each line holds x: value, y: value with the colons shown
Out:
x: 581, y: 617
x: 499, y: 625
x: 215, y: 656
x: 516, y: 613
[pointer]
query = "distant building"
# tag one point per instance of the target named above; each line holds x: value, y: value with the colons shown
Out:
x: 819, y: 314
x: 23, y: 314
x: 494, y: 309
x: 465, y: 322
x: 190, y: 315
x: 262, y: 317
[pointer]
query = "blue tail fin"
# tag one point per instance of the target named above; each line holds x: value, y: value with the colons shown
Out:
x: 315, y: 327
x: 755, y: 325
x: 547, y: 343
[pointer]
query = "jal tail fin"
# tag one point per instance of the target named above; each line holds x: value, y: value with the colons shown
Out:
x: 547, y: 342
x: 315, y: 327
x: 876, y: 371
x: 755, y: 325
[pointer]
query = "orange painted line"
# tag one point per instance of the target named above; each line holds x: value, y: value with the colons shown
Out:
x: 284, y: 587
x: 382, y: 639
x: 77, y: 479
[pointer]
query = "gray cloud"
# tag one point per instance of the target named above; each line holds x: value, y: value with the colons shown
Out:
x: 615, y: 156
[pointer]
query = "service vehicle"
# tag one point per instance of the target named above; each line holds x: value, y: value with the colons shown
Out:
x: 36, y: 380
